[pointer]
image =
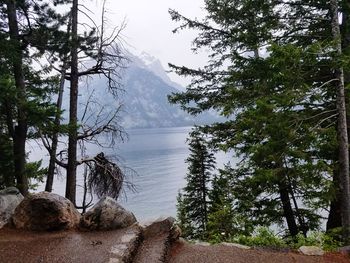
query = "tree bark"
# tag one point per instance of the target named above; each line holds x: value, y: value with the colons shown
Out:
x: 57, y: 122
x: 20, y: 131
x: 342, y: 135
x: 53, y: 150
x: 334, y: 217
x: 73, y: 120
x: 287, y: 209
x: 204, y: 195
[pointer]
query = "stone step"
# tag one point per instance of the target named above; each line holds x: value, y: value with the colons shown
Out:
x: 127, y: 246
x: 153, y: 250
x: 157, y: 239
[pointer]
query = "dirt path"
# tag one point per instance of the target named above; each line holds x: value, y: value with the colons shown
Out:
x: 99, y: 247
x: 189, y: 253
x: 59, y: 247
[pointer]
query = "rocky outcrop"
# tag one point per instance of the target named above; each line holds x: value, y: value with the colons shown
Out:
x: 126, y: 248
x: 107, y: 214
x: 9, y: 200
x: 157, y: 239
x: 45, y: 212
x: 158, y: 227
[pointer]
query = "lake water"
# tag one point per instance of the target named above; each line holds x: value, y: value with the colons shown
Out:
x: 158, y: 156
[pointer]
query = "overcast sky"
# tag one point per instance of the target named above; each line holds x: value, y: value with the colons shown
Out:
x: 149, y: 28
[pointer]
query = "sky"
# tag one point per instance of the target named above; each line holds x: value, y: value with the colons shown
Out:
x: 149, y: 28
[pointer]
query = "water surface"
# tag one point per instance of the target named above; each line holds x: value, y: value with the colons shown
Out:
x: 158, y: 157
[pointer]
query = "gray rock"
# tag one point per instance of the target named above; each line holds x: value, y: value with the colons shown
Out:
x: 107, y: 214
x: 175, y: 233
x: 344, y: 250
x: 201, y: 243
x: 10, y: 191
x: 311, y: 250
x: 45, y: 212
x: 158, y: 227
x: 9, y: 200
x: 235, y: 245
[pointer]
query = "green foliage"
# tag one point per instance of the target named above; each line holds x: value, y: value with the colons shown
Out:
x: 26, y: 91
x: 223, y: 221
x: 323, y: 240
x: 7, y: 177
x: 193, y: 200
x: 183, y: 220
x: 36, y: 173
x: 263, y: 238
x: 271, y: 74
x: 221, y: 225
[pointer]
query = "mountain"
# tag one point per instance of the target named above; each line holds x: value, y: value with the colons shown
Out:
x: 144, y: 100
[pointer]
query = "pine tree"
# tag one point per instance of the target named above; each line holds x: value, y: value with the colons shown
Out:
x: 193, y: 200
x: 222, y: 221
x: 25, y: 98
x: 281, y: 107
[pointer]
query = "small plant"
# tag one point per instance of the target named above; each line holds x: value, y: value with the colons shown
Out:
x: 327, y: 241
x: 264, y: 237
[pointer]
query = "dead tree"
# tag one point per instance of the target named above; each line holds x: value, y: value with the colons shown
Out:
x: 94, y: 53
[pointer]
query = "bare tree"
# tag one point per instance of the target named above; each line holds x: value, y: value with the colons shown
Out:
x: 103, y: 175
x: 94, y: 53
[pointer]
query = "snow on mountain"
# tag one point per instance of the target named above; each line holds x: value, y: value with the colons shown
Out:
x: 147, y: 58
x: 151, y: 63
x: 144, y: 99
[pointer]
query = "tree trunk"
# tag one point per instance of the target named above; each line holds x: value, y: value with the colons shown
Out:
x: 53, y: 150
x: 204, y: 196
x: 342, y: 135
x: 334, y: 217
x: 57, y: 122
x: 20, y: 131
x: 303, y: 227
x: 287, y: 209
x: 73, y: 120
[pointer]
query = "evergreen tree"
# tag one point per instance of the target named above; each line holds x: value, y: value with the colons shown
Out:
x: 222, y: 221
x: 193, y: 200
x: 183, y: 219
x: 281, y: 107
x: 25, y: 97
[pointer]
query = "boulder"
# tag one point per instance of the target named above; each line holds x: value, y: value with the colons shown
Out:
x: 9, y: 200
x: 107, y: 214
x: 311, y: 250
x: 45, y: 212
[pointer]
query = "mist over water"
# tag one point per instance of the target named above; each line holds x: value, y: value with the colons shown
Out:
x: 158, y: 157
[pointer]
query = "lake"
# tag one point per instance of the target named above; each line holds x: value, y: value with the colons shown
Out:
x: 158, y: 156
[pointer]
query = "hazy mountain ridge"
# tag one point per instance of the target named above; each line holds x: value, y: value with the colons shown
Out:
x: 144, y: 100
